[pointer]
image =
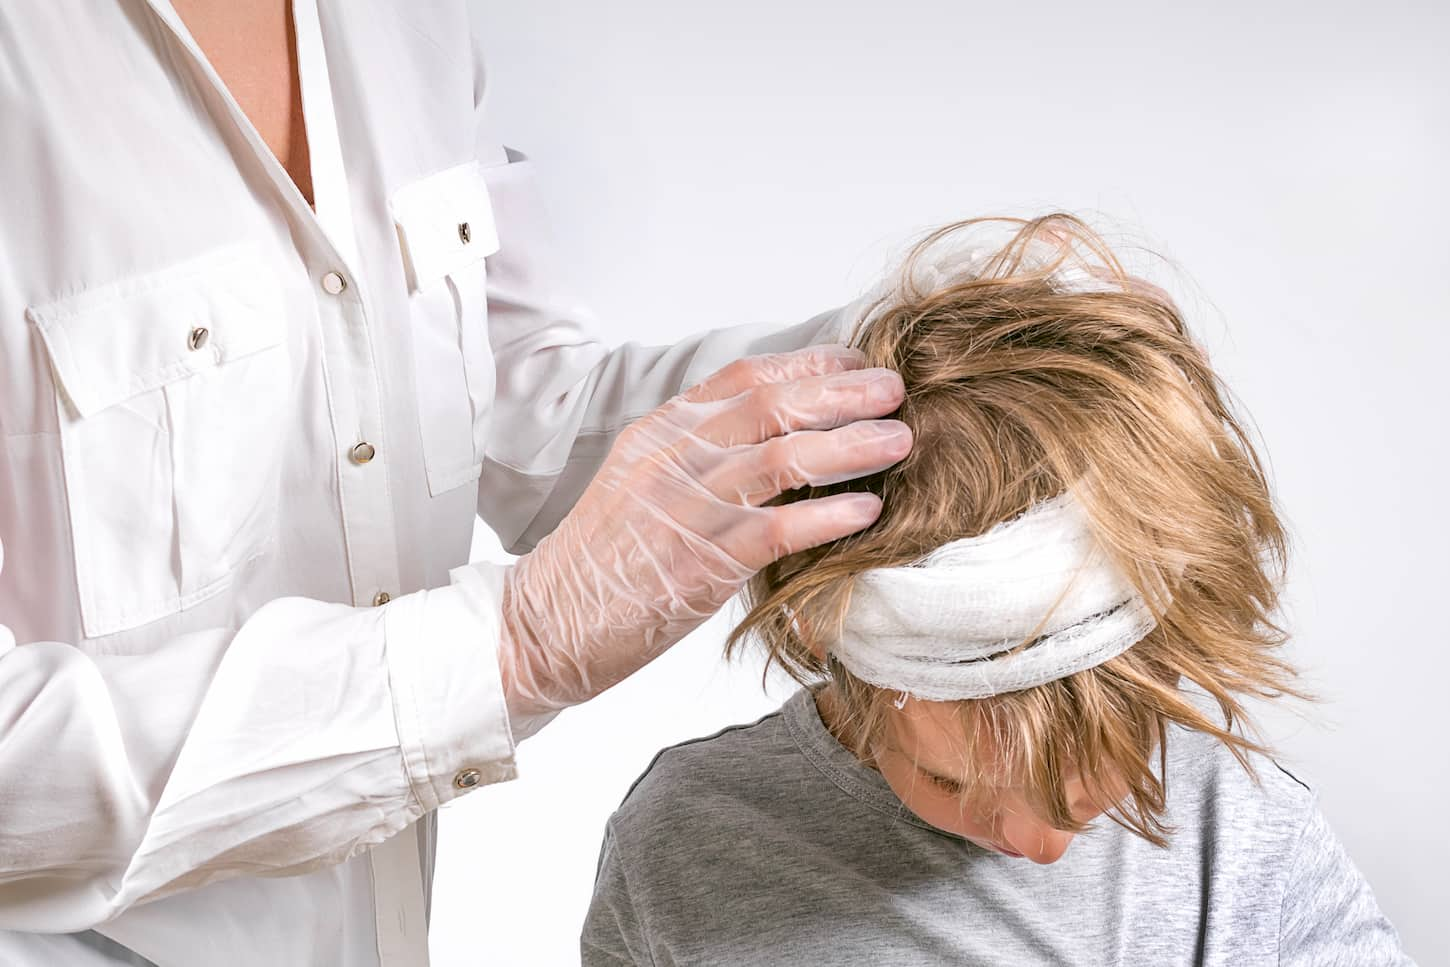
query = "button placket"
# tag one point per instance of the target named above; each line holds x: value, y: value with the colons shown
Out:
x: 372, y: 553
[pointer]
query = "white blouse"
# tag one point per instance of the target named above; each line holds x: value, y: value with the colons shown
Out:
x: 242, y: 446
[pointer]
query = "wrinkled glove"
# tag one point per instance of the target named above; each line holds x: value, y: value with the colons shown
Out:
x: 671, y: 526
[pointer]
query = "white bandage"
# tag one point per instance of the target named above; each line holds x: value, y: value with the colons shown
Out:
x: 937, y: 629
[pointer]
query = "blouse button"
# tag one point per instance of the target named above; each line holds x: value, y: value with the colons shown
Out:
x: 465, y: 234
x: 363, y: 452
x: 198, y: 338
x: 381, y: 598
x: 333, y: 284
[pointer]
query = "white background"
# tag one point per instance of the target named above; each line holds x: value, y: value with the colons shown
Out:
x: 723, y: 163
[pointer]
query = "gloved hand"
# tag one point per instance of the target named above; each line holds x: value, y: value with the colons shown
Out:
x: 670, y: 527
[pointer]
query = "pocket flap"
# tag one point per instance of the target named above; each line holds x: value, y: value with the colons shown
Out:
x: 445, y: 222
x: 114, y: 341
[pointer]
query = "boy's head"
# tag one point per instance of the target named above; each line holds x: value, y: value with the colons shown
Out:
x: 1036, y: 366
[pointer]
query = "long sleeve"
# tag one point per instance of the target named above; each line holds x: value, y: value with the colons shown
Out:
x: 308, y: 734
x: 1329, y: 913
x: 562, y: 395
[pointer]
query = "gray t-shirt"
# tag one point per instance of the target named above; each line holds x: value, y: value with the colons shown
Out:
x: 770, y: 844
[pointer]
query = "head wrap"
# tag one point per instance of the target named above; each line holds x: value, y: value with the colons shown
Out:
x: 950, y: 625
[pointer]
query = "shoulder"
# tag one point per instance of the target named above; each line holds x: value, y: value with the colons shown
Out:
x: 1208, y: 786
x: 725, y: 778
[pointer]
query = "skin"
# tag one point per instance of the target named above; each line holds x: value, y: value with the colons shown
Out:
x: 252, y: 46
x: 923, y: 760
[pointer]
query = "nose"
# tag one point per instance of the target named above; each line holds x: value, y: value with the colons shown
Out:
x: 1035, y: 840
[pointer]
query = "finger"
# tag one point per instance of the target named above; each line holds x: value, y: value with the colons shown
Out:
x: 742, y: 374
x: 757, y: 473
x: 807, y: 523
x: 810, y: 403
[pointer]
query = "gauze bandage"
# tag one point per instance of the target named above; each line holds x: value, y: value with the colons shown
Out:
x: 941, y: 628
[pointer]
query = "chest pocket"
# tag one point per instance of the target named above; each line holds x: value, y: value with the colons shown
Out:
x: 445, y: 229
x: 171, y: 389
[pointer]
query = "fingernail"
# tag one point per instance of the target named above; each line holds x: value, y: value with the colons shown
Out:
x: 893, y: 432
x: 867, y: 378
x: 832, y: 352
x: 887, y: 428
x: 885, y: 386
x: 861, y: 507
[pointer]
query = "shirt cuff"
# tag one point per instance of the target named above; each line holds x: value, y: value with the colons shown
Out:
x: 442, y: 652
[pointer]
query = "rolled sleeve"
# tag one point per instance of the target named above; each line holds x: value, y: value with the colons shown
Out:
x: 442, y: 653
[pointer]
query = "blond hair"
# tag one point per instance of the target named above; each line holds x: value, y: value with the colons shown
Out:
x: 1019, y: 383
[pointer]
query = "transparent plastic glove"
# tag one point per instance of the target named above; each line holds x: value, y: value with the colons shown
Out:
x: 671, y: 526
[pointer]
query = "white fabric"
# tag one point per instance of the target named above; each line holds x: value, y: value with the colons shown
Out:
x: 194, y: 687
x: 938, y: 628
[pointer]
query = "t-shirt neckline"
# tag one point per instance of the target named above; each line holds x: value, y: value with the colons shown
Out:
x: 840, y: 765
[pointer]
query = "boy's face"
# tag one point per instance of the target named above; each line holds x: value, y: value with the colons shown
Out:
x: 923, y: 758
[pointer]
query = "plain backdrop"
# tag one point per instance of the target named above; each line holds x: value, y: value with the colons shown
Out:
x: 707, y: 165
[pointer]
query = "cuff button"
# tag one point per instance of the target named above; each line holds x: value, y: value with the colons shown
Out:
x: 467, y: 778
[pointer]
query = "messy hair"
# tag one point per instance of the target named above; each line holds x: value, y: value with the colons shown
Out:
x: 1032, y: 366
